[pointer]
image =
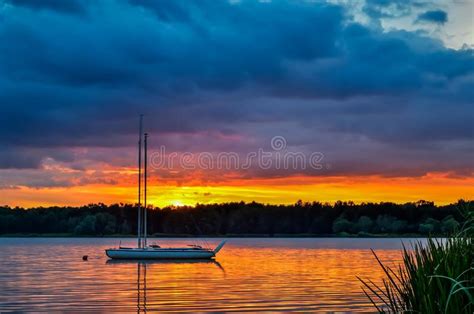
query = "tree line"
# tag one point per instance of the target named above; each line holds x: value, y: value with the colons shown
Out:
x: 239, y: 218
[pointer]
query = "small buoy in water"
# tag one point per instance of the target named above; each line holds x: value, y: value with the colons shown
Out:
x: 84, y: 258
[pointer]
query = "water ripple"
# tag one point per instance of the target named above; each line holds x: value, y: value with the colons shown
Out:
x: 42, y: 274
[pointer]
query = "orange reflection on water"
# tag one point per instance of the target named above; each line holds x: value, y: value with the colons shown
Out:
x: 247, y: 275
x: 254, y: 278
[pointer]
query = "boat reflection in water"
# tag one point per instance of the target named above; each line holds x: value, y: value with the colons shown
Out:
x: 141, y: 284
x: 142, y: 266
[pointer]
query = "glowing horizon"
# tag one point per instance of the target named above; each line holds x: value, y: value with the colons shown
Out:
x: 440, y: 189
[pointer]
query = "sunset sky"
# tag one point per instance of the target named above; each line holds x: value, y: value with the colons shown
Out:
x: 382, y: 91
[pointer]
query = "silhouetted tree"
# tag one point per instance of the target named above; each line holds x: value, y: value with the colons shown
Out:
x: 364, y: 224
x: 239, y: 218
x: 86, y: 226
x: 341, y: 225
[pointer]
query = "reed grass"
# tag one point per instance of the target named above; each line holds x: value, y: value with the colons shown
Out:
x: 434, y: 277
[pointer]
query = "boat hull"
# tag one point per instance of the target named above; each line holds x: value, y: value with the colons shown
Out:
x: 160, y: 253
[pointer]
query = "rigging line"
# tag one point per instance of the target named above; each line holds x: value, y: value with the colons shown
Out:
x: 204, y: 242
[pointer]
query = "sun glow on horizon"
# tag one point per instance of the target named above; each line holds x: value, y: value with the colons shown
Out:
x: 177, y: 203
x: 442, y: 189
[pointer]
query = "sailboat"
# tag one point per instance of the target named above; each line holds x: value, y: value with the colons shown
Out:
x: 143, y: 250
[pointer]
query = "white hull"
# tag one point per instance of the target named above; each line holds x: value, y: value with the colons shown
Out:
x: 163, y: 253
x: 184, y: 253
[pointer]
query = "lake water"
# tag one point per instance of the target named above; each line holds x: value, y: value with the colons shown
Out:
x: 307, y: 274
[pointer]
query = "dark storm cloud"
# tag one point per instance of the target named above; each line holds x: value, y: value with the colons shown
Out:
x: 16, y: 158
x: 210, y: 68
x: 30, y: 157
x: 434, y: 16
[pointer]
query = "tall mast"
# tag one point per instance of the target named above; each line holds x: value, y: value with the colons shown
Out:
x: 145, y: 191
x: 139, y: 228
